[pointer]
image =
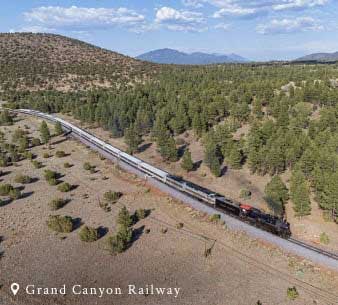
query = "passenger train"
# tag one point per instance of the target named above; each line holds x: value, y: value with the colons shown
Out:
x: 244, y: 212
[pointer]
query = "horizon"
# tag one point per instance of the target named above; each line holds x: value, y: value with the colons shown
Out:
x: 272, y: 30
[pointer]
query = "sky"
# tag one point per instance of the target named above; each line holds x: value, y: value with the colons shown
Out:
x: 255, y: 29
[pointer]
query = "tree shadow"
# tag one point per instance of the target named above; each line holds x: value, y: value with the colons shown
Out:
x: 26, y: 194
x: 144, y: 147
x: 34, y: 179
x: 5, y: 173
x: 136, y: 219
x: 59, y: 141
x: 137, y: 233
x: 197, y: 165
x: 224, y: 170
x: 5, y: 202
x: 102, y: 231
x: 181, y: 150
x: 77, y: 223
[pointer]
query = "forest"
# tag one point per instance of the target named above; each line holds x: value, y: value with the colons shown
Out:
x: 290, y: 111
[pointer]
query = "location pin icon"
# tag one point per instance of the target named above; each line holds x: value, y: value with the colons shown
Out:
x: 15, y: 288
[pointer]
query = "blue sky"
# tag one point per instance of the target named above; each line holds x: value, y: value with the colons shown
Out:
x: 256, y: 29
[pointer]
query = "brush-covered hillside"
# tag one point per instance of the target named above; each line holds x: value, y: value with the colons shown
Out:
x: 48, y: 61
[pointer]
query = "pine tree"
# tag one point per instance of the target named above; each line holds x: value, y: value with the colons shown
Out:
x: 58, y: 128
x: 187, y: 163
x: 133, y: 139
x: 212, y: 158
x: 276, y: 195
x: 167, y: 148
x: 5, y: 118
x: 44, y: 132
x: 235, y: 158
x: 299, y: 192
x: 124, y: 218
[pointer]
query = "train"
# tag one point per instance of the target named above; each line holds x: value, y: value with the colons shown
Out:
x: 245, y: 212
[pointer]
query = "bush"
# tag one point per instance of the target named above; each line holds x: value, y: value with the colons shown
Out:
x: 324, y: 238
x: 65, y: 187
x: 89, y: 234
x: 28, y: 155
x: 87, y: 166
x: 50, y: 174
x: 245, y: 194
x: 141, y: 214
x: 180, y: 225
x: 37, y: 164
x: 119, y: 242
x: 67, y: 165
x: 56, y: 204
x: 5, y: 189
x: 36, y: 142
x: 52, y: 181
x: 46, y: 155
x: 112, y: 196
x: 292, y: 293
x: 60, y: 154
x: 14, y: 194
x: 23, y: 179
x: 215, y: 218
x: 61, y: 224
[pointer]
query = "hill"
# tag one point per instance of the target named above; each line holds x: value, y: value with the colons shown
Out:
x: 325, y: 57
x: 170, y: 56
x: 40, y: 61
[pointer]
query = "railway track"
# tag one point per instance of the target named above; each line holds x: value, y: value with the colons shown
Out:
x: 313, y: 248
x: 299, y: 243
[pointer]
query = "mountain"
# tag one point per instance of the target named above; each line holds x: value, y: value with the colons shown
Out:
x: 170, y: 56
x: 48, y: 61
x: 325, y: 57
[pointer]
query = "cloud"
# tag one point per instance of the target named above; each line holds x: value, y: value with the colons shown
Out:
x: 240, y: 8
x: 34, y: 29
x: 284, y: 26
x: 180, y: 20
x: 81, y: 18
x: 193, y: 3
x: 222, y: 26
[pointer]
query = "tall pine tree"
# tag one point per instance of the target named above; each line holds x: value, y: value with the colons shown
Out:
x: 299, y: 193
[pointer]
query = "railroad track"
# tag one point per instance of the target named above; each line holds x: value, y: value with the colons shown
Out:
x: 313, y: 248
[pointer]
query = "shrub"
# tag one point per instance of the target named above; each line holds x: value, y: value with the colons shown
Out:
x: 292, y: 293
x: 104, y: 206
x: 124, y: 218
x: 324, y: 238
x: 46, y: 155
x: 112, y: 196
x: 28, y: 155
x: 89, y: 234
x: 65, y: 187
x: 37, y: 164
x: 56, y: 204
x: 14, y: 194
x: 164, y: 230
x: 180, y: 225
x: 61, y: 224
x: 215, y: 218
x: 245, y: 194
x: 60, y: 154
x: 23, y: 179
x: 36, y: 142
x: 119, y: 242
x: 141, y: 214
x: 52, y: 181
x: 49, y: 174
x: 5, y: 189
x: 67, y: 165
x: 87, y: 166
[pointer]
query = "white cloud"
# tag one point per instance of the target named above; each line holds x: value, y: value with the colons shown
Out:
x: 180, y: 20
x: 193, y: 3
x: 222, y: 26
x: 79, y: 18
x: 298, y: 4
x: 234, y: 10
x: 283, y: 26
x: 34, y: 29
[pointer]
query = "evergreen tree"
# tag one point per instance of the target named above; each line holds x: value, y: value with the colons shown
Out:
x: 212, y: 158
x: 276, y: 195
x: 44, y: 132
x: 133, y: 139
x: 124, y: 218
x: 5, y: 118
x: 167, y: 148
x: 58, y: 128
x: 187, y: 163
x: 235, y: 158
x: 299, y: 193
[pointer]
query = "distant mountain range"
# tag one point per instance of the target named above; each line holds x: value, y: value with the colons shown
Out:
x: 170, y: 56
x: 319, y: 57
